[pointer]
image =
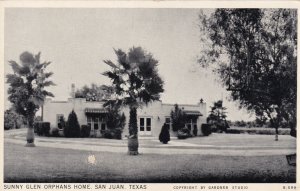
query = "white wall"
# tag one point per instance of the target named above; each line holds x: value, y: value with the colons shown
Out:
x: 156, y: 110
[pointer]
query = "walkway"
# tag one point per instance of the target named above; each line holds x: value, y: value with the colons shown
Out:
x: 215, y: 144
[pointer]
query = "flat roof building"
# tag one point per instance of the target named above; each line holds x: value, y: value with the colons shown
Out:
x: 150, y: 118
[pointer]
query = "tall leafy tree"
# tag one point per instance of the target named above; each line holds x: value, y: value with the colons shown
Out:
x: 178, y: 118
x: 73, y: 128
x: 254, y: 53
x: 136, y: 81
x: 27, y: 88
x: 12, y: 120
x: 94, y: 92
x: 218, y: 115
x: 115, y: 119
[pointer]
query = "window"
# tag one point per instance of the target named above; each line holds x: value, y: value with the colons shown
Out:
x: 168, y: 120
x: 103, y: 126
x: 189, y: 126
x: 96, y: 126
x: 148, y: 124
x: 194, y: 120
x: 60, y: 121
x: 89, y: 121
x: 142, y: 124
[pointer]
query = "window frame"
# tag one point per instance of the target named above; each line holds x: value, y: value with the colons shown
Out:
x: 58, y: 117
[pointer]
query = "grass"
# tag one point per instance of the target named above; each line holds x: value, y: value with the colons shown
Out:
x: 223, y: 139
x: 41, y: 164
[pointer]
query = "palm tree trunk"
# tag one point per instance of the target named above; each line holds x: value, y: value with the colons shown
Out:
x: 30, y: 135
x: 133, y: 143
x: 133, y: 122
x: 42, y: 113
x: 277, y: 132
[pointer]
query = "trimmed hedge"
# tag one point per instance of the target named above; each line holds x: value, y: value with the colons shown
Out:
x: 72, y: 128
x: 183, y: 133
x: 233, y: 131
x: 112, y: 133
x: 55, y: 132
x: 42, y: 128
x: 85, y: 131
x: 164, y: 135
x: 107, y: 134
x: 206, y: 129
x: 258, y: 131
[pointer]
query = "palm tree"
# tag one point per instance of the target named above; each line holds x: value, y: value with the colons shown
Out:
x: 136, y: 82
x: 26, y: 88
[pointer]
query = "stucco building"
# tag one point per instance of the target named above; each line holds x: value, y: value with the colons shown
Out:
x: 150, y: 117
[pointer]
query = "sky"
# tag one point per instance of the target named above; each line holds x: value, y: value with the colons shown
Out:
x: 77, y: 41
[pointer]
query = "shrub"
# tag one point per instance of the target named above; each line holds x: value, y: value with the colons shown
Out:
x: 42, y: 128
x: 293, y: 132
x: 12, y: 120
x: 206, y: 129
x: 164, y: 135
x: 118, y: 133
x: 258, y: 131
x: 108, y: 134
x: 85, y: 131
x: 72, y: 128
x: 9, y: 120
x: 183, y: 133
x: 112, y: 133
x: 214, y: 128
x: 115, y: 121
x: 233, y: 131
x: 55, y: 132
x: 178, y: 118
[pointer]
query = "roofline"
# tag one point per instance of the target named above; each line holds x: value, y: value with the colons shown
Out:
x: 169, y: 104
x: 181, y: 104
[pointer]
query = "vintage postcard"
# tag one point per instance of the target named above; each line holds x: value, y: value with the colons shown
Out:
x: 149, y: 95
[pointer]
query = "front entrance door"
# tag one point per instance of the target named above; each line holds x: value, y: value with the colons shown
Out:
x: 145, y: 126
x: 97, y: 125
x: 191, y: 123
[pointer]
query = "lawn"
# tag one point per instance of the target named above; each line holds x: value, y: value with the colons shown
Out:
x: 223, y: 139
x: 41, y: 164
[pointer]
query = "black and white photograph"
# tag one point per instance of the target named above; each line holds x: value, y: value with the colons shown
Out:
x: 148, y: 95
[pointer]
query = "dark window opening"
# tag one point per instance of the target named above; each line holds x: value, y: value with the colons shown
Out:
x: 103, y: 126
x: 148, y: 127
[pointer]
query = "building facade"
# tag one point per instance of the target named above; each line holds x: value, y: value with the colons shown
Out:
x: 150, y: 118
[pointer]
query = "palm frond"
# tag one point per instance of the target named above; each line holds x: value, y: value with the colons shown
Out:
x: 111, y: 75
x: 14, y: 80
x: 24, y: 71
x: 122, y: 58
x: 15, y: 66
x: 45, y: 64
x: 110, y: 63
x: 48, y: 74
x: 46, y: 93
x: 48, y: 83
x: 39, y: 66
x: 37, y: 58
x: 37, y: 100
